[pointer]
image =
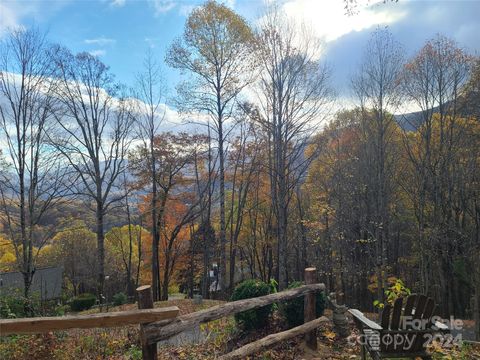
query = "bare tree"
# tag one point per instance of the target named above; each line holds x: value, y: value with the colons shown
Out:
x: 205, y: 177
x: 377, y: 87
x: 134, y: 235
x: 150, y: 115
x: 293, y: 91
x: 433, y: 82
x: 94, y: 136
x: 33, y: 181
x: 216, y: 49
x: 243, y: 157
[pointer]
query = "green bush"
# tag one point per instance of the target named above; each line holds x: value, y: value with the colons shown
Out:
x: 119, y: 299
x: 83, y: 302
x: 292, y: 310
x: 13, y: 304
x: 62, y: 310
x: 254, y: 318
x: 134, y: 353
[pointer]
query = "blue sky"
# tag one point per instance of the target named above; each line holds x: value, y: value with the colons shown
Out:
x: 120, y: 31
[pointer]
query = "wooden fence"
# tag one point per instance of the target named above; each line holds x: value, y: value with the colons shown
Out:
x: 120, y: 318
x: 157, y: 331
x: 163, y: 323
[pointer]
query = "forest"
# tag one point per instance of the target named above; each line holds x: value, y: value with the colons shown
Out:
x: 268, y: 175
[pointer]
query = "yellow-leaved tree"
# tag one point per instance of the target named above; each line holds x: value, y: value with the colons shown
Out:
x: 124, y: 256
x: 75, y: 249
x: 7, y: 255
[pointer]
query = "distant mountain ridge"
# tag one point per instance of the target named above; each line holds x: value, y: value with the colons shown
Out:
x: 467, y: 106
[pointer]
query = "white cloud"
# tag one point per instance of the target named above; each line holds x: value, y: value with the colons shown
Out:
x: 185, y: 10
x: 163, y: 6
x: 9, y: 18
x: 118, y: 3
x: 98, y: 52
x: 100, y: 41
x: 329, y: 21
x: 229, y: 3
x: 12, y: 13
x: 151, y: 42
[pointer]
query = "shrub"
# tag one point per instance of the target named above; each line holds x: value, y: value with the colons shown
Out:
x: 13, y: 304
x: 119, y: 299
x: 293, y: 311
x: 396, y: 290
x: 254, y: 318
x: 134, y: 353
x: 62, y: 310
x: 83, y: 302
x: 173, y: 289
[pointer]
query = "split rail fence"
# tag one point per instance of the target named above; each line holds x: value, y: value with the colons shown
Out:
x: 163, y: 323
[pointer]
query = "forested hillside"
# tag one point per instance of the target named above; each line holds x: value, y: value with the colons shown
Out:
x: 274, y: 178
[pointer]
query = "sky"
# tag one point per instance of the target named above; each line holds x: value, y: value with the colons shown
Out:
x: 119, y: 32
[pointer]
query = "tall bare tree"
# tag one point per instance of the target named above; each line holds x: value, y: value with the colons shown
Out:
x: 243, y: 157
x: 150, y: 115
x: 293, y: 91
x: 94, y: 136
x: 205, y: 177
x: 33, y: 181
x: 216, y: 50
x: 433, y: 81
x: 377, y: 87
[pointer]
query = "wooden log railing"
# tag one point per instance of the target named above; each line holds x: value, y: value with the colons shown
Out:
x: 154, y: 332
x: 160, y: 331
x: 38, y: 325
x: 273, y: 339
x: 162, y: 323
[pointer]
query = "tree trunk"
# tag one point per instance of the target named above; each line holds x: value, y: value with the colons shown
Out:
x: 27, y: 281
x: 100, y: 249
x: 129, y: 283
x: 166, y: 279
x: 206, y: 274
x: 26, y: 265
x: 233, y: 255
x: 282, y: 233
x: 281, y: 150
x: 192, y: 266
x: 476, y: 306
x: 223, y: 239
x: 155, y: 232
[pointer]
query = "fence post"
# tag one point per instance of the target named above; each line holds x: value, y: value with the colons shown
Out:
x: 145, y: 301
x: 310, y: 312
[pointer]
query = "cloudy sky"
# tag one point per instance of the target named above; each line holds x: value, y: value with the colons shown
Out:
x: 120, y: 31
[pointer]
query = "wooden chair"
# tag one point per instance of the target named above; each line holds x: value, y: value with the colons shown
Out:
x: 403, y: 331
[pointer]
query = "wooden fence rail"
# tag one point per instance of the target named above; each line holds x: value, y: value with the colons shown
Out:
x: 121, y: 318
x: 162, y: 323
x: 160, y: 331
x: 273, y: 339
x: 154, y: 332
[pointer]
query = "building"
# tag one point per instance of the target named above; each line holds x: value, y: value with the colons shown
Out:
x: 47, y: 282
